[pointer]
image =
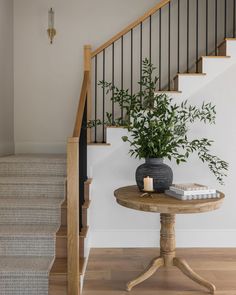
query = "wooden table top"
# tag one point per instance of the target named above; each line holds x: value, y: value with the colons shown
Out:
x: 129, y: 197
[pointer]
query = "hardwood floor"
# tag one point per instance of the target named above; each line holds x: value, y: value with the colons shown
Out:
x: 109, y: 270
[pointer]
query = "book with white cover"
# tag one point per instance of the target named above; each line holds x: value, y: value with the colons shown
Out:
x: 192, y: 197
x: 190, y: 186
x: 191, y: 189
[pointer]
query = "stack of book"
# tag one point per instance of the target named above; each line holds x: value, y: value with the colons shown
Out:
x: 191, y: 191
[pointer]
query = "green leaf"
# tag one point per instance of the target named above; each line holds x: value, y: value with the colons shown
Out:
x: 124, y: 138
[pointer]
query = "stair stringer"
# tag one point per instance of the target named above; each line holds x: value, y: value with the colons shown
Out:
x: 212, y: 67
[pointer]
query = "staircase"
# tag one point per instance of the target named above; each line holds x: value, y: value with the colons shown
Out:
x: 45, y: 199
x: 33, y: 225
x: 32, y: 189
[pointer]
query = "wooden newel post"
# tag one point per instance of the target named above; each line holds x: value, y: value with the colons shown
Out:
x: 167, y: 241
x: 88, y: 68
x: 73, y: 216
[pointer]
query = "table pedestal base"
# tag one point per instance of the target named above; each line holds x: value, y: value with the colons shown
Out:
x: 167, y: 257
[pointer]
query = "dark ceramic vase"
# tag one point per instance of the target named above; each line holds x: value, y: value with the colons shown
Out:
x: 161, y: 173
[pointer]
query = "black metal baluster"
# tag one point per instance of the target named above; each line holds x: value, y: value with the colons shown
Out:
x: 225, y: 28
x: 197, y: 5
x: 216, y: 25
x: 234, y: 21
x: 150, y: 38
x: 207, y: 27
x: 95, y: 99
x: 169, y: 14
x: 160, y: 49
x: 103, y: 97
x: 187, y: 36
x: 178, y: 38
x: 113, y: 81
x: 131, y: 64
x: 82, y: 161
x: 122, y: 74
x: 141, y: 56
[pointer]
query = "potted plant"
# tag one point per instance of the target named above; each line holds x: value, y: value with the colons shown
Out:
x: 158, y: 129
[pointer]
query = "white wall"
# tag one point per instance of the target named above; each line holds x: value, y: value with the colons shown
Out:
x: 47, y: 85
x: 6, y: 77
x: 111, y: 167
x: 48, y: 77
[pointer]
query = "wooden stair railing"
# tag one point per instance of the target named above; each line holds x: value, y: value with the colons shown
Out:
x: 81, y: 106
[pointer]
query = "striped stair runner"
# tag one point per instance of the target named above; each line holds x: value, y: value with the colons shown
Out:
x: 32, y: 189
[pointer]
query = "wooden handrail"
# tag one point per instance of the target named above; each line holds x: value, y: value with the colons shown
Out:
x: 88, y: 67
x: 81, y: 106
x: 130, y: 27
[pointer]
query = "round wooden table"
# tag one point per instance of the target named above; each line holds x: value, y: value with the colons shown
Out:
x: 130, y: 197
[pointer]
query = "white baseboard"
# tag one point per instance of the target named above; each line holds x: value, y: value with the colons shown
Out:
x: 150, y: 238
x: 40, y: 147
x: 6, y: 148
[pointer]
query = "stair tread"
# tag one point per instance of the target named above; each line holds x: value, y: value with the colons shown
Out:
x: 60, y: 266
x: 84, y: 232
x: 21, y: 264
x: 215, y: 56
x: 86, y: 204
x: 64, y: 204
x: 99, y: 144
x: 88, y: 181
x: 62, y: 232
x: 189, y: 74
x: 230, y: 39
x: 29, y: 180
x: 27, y: 230
x: 29, y: 202
x: 168, y: 91
x: 34, y: 158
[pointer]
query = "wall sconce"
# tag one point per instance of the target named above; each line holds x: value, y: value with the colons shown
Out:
x: 51, y: 30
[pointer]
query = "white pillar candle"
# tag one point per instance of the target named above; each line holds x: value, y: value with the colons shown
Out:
x: 148, y: 184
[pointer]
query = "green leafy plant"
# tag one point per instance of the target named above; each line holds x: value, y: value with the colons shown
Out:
x: 159, y: 127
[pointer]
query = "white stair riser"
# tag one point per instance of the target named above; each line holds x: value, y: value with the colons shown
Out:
x: 215, y: 66
x: 212, y: 67
x: 189, y: 84
x: 231, y: 48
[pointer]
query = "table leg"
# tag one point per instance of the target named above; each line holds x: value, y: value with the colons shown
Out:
x: 148, y: 272
x: 186, y: 269
x: 167, y: 257
x: 167, y: 238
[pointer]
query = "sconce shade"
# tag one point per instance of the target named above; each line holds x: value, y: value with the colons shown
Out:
x: 51, y: 30
x: 51, y: 15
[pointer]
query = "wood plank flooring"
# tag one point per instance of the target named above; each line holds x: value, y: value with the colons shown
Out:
x: 109, y: 270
